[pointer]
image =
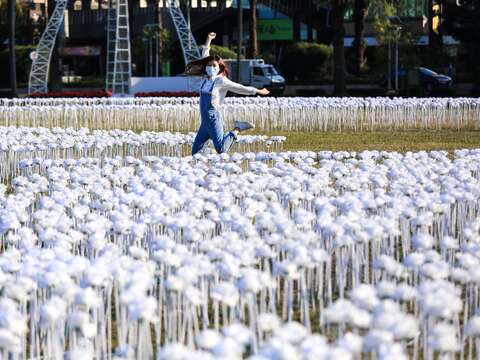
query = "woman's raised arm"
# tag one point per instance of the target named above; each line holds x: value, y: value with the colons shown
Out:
x: 206, y: 48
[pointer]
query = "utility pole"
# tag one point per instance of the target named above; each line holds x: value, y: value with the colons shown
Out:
x: 240, y: 36
x: 11, y: 44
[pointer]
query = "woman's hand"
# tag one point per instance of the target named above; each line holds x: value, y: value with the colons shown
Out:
x: 210, y: 37
x: 263, y: 91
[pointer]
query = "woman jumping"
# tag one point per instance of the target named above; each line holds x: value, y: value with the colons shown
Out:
x: 213, y: 89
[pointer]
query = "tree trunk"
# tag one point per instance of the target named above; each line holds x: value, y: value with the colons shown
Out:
x: 11, y: 46
x: 338, y: 12
x: 253, y: 30
x: 359, y: 15
x: 158, y: 21
x: 86, y: 5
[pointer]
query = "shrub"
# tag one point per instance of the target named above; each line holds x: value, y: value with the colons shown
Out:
x: 304, y: 61
x: 22, y: 57
x: 223, y: 52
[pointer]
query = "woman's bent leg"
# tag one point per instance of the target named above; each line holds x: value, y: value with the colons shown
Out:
x: 201, y: 138
x: 221, y: 141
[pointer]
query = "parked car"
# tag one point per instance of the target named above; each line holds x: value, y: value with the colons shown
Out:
x: 428, y: 79
x: 431, y: 80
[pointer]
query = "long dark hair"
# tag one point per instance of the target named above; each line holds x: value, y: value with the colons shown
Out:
x: 197, y: 67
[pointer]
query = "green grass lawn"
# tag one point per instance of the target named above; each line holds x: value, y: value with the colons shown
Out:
x: 400, y: 141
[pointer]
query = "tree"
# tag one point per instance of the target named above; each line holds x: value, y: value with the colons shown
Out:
x: 338, y: 13
x: 21, y: 29
x: 463, y: 23
x: 360, y: 9
x: 253, y: 30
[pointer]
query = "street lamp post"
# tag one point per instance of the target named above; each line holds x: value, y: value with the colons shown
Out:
x: 394, y: 35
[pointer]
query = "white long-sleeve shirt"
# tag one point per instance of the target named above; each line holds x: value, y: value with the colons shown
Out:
x: 223, y: 85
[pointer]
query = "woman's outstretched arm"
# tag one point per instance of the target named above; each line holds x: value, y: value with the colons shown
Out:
x: 206, y: 47
x: 241, y: 89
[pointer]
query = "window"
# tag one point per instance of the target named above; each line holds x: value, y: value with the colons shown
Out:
x: 194, y: 3
x: 94, y: 5
x: 213, y: 3
x: 203, y: 3
x: 269, y: 70
x: 411, y: 8
x: 77, y: 5
x: 257, y: 71
x: 303, y: 32
x: 143, y: 3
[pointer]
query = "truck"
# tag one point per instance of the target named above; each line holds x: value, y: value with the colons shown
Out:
x: 254, y: 72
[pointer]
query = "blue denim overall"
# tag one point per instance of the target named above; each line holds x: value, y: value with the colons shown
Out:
x: 211, y: 126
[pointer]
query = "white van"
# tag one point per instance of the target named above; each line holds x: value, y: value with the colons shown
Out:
x: 254, y: 72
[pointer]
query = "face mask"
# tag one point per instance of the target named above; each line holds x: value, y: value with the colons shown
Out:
x: 211, y: 70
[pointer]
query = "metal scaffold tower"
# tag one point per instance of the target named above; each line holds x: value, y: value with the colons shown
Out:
x: 118, y: 46
x: 119, y: 69
x: 187, y: 41
x: 111, y: 31
x: 38, y: 79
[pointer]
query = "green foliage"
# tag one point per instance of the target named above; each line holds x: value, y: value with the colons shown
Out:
x: 22, y: 54
x: 304, y: 60
x: 164, y: 37
x: 409, y: 56
x: 223, y: 52
x: 140, y: 46
x: 21, y: 29
x: 382, y: 24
